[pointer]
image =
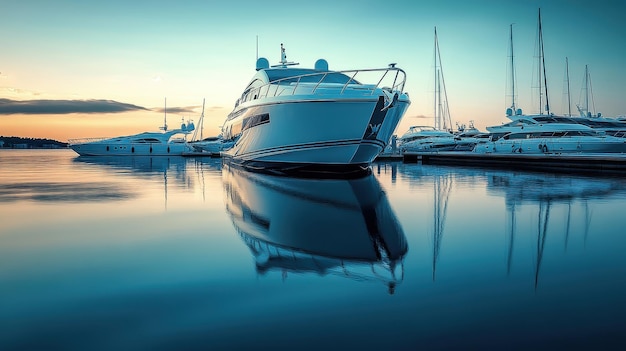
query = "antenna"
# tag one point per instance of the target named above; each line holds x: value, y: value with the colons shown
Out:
x: 257, y: 47
x: 283, y: 59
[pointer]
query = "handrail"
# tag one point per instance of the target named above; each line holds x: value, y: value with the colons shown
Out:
x: 86, y: 140
x: 264, y: 91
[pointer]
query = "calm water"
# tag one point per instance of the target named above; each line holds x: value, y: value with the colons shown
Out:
x: 184, y: 253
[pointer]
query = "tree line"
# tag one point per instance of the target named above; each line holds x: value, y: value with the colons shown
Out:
x: 30, y: 143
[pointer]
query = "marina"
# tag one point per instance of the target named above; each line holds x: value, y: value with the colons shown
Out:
x: 325, y: 208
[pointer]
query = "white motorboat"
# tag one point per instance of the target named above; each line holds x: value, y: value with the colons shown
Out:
x: 163, y: 143
x: 212, y: 145
x: 426, y: 138
x: 291, y: 119
x: 295, y: 225
x: 422, y: 132
x: 554, y: 138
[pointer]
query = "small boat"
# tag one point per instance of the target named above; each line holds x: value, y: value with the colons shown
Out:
x: 426, y: 138
x: 421, y: 132
x: 162, y: 143
x: 315, y: 120
x: 295, y: 225
x: 213, y: 145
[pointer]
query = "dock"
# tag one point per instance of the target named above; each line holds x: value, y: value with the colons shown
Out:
x: 571, y: 163
x: 200, y: 154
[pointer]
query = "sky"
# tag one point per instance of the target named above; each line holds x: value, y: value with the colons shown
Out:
x: 74, y: 69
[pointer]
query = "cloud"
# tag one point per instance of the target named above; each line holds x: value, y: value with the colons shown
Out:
x: 186, y: 109
x: 59, y: 107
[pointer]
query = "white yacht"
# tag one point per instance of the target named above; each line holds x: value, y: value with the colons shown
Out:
x: 553, y: 138
x: 293, y: 119
x: 213, y: 145
x: 295, y: 225
x: 426, y: 138
x: 421, y: 132
x: 163, y: 143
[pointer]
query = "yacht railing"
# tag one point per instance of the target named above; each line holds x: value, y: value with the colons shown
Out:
x: 85, y: 140
x: 289, y: 85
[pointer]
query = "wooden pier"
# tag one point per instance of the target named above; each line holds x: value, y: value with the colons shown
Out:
x: 571, y: 163
x: 200, y: 154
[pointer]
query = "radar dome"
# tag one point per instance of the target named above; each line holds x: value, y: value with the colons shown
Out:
x: 321, y: 65
x: 262, y: 63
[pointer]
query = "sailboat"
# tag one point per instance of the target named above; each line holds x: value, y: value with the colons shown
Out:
x: 439, y: 137
x: 212, y: 145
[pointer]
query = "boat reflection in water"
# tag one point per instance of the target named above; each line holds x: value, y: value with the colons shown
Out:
x: 175, y: 171
x: 324, y: 226
x: 181, y: 168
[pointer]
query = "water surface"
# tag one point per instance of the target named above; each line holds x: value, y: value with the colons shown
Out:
x: 187, y: 253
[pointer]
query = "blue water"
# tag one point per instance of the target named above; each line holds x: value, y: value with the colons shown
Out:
x: 187, y: 253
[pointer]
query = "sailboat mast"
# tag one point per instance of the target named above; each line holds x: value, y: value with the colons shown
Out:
x: 439, y: 106
x: 435, y: 103
x: 512, y: 70
x: 442, y: 111
x: 543, y: 65
x: 202, y: 121
x: 586, y: 89
x: 569, y: 102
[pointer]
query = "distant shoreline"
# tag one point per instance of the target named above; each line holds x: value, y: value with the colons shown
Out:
x: 30, y: 143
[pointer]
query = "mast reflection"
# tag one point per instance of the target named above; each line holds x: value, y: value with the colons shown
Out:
x: 344, y: 227
x: 546, y: 191
x: 442, y: 187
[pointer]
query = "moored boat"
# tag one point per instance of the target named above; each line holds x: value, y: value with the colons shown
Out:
x: 163, y: 143
x: 290, y: 119
x: 426, y: 138
x: 554, y: 138
x: 213, y: 145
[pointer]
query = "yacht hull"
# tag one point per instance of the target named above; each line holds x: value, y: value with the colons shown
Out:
x: 332, y: 133
x: 103, y: 148
x: 554, y: 145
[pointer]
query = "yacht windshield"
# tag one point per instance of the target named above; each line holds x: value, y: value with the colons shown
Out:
x: 307, y: 76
